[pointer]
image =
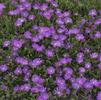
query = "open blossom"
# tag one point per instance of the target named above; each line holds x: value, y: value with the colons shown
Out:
x: 3, y: 68
x: 38, y: 89
x: 43, y: 96
x: 19, y: 21
x: 25, y: 87
x: 98, y: 96
x: 21, y: 61
x: 37, y: 79
x: 17, y: 43
x: 80, y: 37
x: 2, y: 6
x: 28, y: 35
x: 13, y: 12
x: 37, y: 47
x: 50, y: 70
x: 94, y: 55
x: 18, y: 71
x: 31, y: 17
x: 93, y: 12
x: 6, y: 43
x: 49, y: 53
x: 36, y: 62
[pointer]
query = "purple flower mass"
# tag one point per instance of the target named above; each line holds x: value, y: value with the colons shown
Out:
x: 49, y: 53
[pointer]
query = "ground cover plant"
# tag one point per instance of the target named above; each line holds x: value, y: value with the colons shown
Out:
x: 50, y: 50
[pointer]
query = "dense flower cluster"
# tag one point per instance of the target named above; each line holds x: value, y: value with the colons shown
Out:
x: 67, y: 69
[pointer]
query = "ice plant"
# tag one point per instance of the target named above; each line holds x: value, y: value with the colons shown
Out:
x: 54, y: 53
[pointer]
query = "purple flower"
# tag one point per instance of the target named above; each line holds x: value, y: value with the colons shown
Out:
x: 92, y: 13
x: 28, y: 35
x: 3, y: 68
x: 44, y: 7
x: 68, y: 70
x: 98, y: 83
x: 35, y: 27
x: 98, y: 97
x: 66, y: 14
x: 31, y: 17
x: 19, y: 21
x: 24, y: 14
x: 26, y: 78
x: 37, y: 38
x: 47, y: 14
x: 88, y: 85
x: 97, y: 35
x: 94, y: 82
x: 36, y: 62
x: 99, y: 58
x: 80, y: 80
x: 25, y: 69
x: 94, y: 55
x: 50, y: 70
x: 36, y: 6
x: 54, y: 3
x: 37, y: 47
x: 2, y: 6
x: 59, y: 21
x: 80, y: 37
x: 16, y: 88
x: 80, y: 57
x: 3, y: 87
x: 21, y: 61
x: 25, y: 87
x: 6, y: 43
x: 18, y: 71
x: 43, y: 96
x: 48, y: 1
x: 67, y: 20
x: 82, y: 70
x: 73, y: 31
x: 98, y: 21
x: 37, y: 79
x: 83, y: 21
x: 88, y: 65
x: 38, y: 88
x: 14, y: 12
x: 58, y: 92
x: 35, y: 89
x: 60, y: 83
x: 23, y: 1
x: 21, y: 8
x: 27, y: 5
x: 75, y: 86
x: 65, y: 60
x: 60, y: 30
x: 17, y: 43
x: 67, y: 76
x: 49, y: 53
x: 68, y: 91
x: 87, y: 30
x: 57, y: 43
x: 99, y: 66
